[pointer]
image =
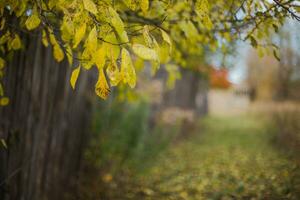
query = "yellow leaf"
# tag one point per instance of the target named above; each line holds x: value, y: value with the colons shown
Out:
x: 99, y: 57
x: 87, y: 61
x: 58, y: 53
x: 101, y: 88
x: 67, y: 29
x: 166, y: 37
x: 32, y: 21
x: 144, y: 52
x: 184, y: 195
x: 52, y: 3
x: 52, y: 38
x: 154, y: 67
x: 107, y: 178
x: 2, y: 23
x: 4, y: 101
x: 127, y: 69
x: 1, y: 90
x: 74, y: 77
x: 79, y: 34
x: 227, y: 36
x: 139, y: 64
x: 113, y: 73
x: 155, y: 64
x: 2, y: 63
x: 260, y: 51
x: 144, y: 6
x: 91, y: 42
x: 207, y: 22
x: 202, y: 10
x: 147, y: 37
x: 148, y: 191
x: 124, y: 37
x: 69, y: 54
x: 44, y: 39
x: 174, y: 74
x: 164, y: 53
x: 21, y: 8
x: 132, y: 4
x: 116, y: 21
x: 90, y: 6
x: 16, y: 43
x: 189, y: 30
x: 202, y: 7
x: 112, y: 51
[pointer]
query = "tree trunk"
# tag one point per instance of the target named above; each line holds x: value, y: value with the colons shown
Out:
x: 189, y: 95
x: 190, y: 92
x: 45, y: 126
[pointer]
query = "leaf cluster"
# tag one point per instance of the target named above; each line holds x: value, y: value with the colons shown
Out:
x: 116, y: 36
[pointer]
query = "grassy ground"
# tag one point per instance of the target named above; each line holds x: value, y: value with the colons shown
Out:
x: 227, y: 158
x: 233, y: 158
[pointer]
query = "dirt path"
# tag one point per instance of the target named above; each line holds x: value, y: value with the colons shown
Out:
x: 232, y: 159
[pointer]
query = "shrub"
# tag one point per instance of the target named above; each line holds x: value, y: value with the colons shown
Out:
x: 286, y: 121
x: 123, y: 139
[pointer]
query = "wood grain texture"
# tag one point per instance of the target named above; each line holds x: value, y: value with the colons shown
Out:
x: 45, y: 125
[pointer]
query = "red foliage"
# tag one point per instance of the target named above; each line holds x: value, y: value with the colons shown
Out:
x: 219, y: 78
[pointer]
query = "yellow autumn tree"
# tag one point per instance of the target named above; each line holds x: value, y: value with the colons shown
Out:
x: 114, y: 36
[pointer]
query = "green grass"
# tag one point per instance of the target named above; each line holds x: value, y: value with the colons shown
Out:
x: 227, y: 158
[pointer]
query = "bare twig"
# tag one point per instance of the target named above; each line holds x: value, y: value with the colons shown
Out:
x: 293, y: 14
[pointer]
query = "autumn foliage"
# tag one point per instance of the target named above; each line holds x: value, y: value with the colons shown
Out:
x: 114, y: 36
x: 219, y: 78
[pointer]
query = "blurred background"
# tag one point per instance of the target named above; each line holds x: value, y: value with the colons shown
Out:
x: 225, y: 127
x: 228, y: 128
